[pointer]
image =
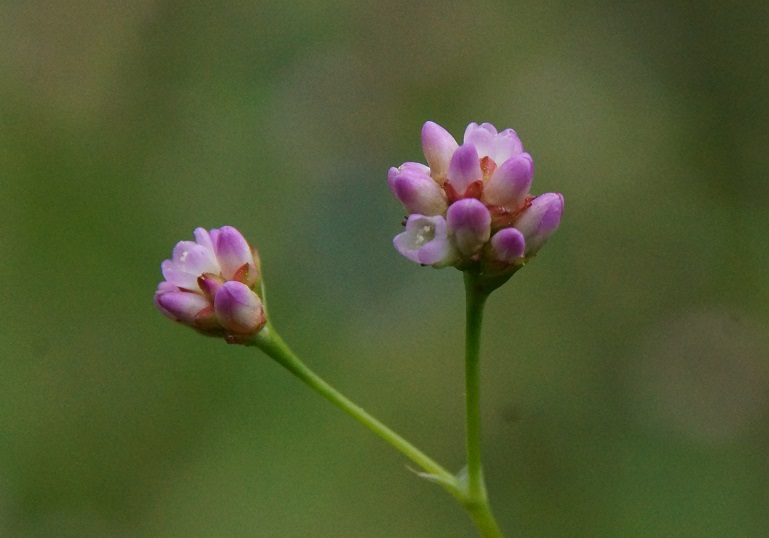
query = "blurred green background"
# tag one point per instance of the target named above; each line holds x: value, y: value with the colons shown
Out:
x: 625, y: 371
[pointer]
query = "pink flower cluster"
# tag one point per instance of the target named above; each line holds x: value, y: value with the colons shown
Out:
x: 471, y: 204
x: 212, y: 285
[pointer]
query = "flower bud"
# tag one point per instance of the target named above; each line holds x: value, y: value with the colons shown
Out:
x: 540, y: 220
x: 417, y: 191
x: 507, y: 245
x: 438, y: 146
x: 238, y: 308
x: 182, y: 306
x: 509, y: 185
x: 469, y: 223
x: 233, y: 253
x: 464, y: 168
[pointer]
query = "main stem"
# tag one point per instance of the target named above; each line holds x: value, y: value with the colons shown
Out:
x: 476, y: 501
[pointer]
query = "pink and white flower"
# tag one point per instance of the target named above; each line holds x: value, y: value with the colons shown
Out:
x: 212, y: 284
x: 470, y: 205
x: 426, y: 242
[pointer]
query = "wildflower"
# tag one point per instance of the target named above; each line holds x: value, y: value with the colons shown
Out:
x: 425, y: 241
x: 213, y: 284
x: 470, y: 206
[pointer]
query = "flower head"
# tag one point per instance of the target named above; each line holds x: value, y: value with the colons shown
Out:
x: 213, y: 284
x: 470, y: 206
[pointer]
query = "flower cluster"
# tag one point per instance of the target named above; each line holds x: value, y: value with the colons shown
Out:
x: 212, y: 284
x: 471, y: 207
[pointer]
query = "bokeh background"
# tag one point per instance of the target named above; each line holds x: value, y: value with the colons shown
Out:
x: 625, y: 371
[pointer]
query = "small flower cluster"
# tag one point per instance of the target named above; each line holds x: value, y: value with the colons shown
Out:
x: 471, y: 206
x: 212, y: 284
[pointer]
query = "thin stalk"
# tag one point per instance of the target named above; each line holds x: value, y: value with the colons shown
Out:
x: 273, y: 345
x: 476, y: 501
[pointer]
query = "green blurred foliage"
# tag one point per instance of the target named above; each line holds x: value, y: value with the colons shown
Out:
x: 626, y: 371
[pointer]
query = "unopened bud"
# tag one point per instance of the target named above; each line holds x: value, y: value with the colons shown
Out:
x: 540, y: 220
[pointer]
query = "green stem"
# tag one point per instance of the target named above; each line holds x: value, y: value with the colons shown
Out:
x: 484, y: 520
x: 476, y: 501
x: 273, y: 345
x: 470, y: 494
